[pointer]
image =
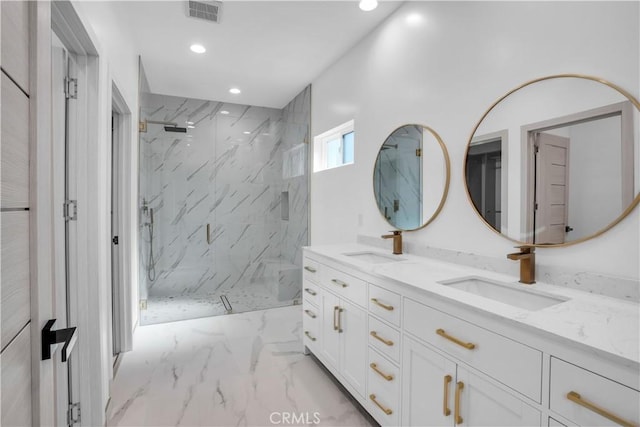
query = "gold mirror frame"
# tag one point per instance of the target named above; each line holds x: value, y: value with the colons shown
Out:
x: 615, y: 222
x: 445, y: 191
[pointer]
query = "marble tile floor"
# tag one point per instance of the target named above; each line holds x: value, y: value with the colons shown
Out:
x: 234, y: 370
x: 181, y: 307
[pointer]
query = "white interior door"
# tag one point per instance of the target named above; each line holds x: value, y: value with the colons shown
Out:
x: 551, y: 192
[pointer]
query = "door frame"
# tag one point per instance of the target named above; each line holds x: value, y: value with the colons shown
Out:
x: 623, y: 109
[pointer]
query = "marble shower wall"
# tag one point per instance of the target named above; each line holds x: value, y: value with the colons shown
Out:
x: 226, y: 171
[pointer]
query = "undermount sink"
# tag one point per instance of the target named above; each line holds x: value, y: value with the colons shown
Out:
x: 504, y: 293
x: 373, y: 258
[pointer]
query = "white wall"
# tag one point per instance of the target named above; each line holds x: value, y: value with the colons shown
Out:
x: 442, y: 64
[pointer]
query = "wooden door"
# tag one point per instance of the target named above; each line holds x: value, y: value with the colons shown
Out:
x: 551, y: 192
x: 329, y: 334
x: 15, y: 288
x: 485, y: 404
x: 428, y: 383
x: 353, y: 345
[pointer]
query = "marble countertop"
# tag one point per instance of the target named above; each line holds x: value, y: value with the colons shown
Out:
x: 609, y: 325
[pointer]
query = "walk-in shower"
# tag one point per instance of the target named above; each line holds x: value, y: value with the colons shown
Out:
x: 223, y: 206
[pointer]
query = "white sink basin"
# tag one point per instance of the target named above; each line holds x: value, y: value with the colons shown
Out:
x: 510, y: 294
x: 373, y: 258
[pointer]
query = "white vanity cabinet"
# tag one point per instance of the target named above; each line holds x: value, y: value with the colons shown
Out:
x: 415, y: 358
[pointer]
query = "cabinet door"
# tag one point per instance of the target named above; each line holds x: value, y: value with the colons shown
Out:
x: 428, y: 381
x: 484, y: 404
x: 329, y: 334
x: 352, y: 322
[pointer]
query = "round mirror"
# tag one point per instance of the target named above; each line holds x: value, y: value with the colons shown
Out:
x: 411, y: 177
x: 555, y: 161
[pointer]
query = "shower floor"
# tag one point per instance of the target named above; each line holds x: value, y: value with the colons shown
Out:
x: 183, y: 307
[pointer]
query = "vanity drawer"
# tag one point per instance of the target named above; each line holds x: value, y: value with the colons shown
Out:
x: 345, y: 285
x: 384, y: 338
x: 384, y: 384
x: 311, y: 292
x: 513, y: 364
x: 578, y: 395
x: 311, y: 270
x: 310, y: 325
x: 384, y: 304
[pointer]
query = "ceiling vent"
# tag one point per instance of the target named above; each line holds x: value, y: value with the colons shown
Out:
x: 207, y: 10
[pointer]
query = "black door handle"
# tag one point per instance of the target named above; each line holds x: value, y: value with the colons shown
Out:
x: 67, y: 336
x: 568, y: 229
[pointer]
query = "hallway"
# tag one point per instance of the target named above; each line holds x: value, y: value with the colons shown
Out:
x: 226, y: 370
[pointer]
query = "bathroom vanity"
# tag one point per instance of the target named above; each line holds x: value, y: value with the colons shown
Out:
x: 424, y: 342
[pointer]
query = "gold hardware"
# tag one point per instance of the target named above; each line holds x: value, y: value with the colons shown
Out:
x: 387, y: 377
x: 457, y: 415
x: 208, y: 234
x: 310, y: 269
x: 576, y: 398
x: 310, y: 292
x: 527, y: 258
x: 385, y: 410
x: 335, y: 310
x: 418, y: 152
x: 379, y: 304
x: 340, y: 310
x: 339, y: 283
x: 142, y: 126
x: 445, y: 401
x: 396, y: 235
x: 310, y: 314
x: 309, y: 336
x: 467, y: 345
x: 379, y: 338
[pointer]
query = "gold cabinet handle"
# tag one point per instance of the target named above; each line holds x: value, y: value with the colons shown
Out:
x: 310, y: 269
x: 335, y: 322
x: 340, y: 310
x: 379, y: 338
x: 377, y: 370
x: 445, y: 401
x: 310, y: 292
x: 457, y: 415
x: 309, y: 335
x: 385, y: 410
x: 467, y: 345
x: 208, y: 234
x: 339, y: 283
x: 379, y: 304
x: 310, y: 314
x: 576, y: 398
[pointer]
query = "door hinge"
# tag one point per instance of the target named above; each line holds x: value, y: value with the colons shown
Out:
x: 418, y: 152
x: 71, y: 88
x: 536, y: 206
x: 70, y: 210
x: 73, y: 413
x: 115, y: 240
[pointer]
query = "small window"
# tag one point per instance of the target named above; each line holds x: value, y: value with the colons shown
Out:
x: 334, y: 148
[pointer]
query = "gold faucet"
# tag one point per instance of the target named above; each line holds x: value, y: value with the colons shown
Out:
x: 397, y: 241
x: 527, y: 259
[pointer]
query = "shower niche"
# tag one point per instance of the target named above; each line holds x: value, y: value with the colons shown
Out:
x: 223, y: 206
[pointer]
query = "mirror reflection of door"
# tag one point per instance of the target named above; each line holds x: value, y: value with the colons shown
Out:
x: 484, y: 178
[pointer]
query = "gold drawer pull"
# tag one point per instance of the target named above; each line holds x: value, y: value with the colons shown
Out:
x: 385, y: 410
x: 310, y: 314
x: 576, y: 398
x: 310, y: 269
x: 375, y: 368
x: 457, y: 415
x: 445, y: 403
x: 382, y: 340
x: 379, y: 304
x: 339, y: 283
x: 309, y: 335
x: 311, y: 292
x: 467, y: 345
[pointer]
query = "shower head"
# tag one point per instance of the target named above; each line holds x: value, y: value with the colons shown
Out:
x: 175, y: 129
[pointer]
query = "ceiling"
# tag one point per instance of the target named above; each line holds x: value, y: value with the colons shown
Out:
x: 269, y: 49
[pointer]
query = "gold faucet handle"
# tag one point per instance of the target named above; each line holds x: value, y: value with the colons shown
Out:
x: 396, y: 232
x: 526, y: 249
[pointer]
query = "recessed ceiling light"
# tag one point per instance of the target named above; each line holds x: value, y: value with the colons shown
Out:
x: 197, y: 48
x: 235, y: 90
x: 224, y: 112
x: 191, y: 127
x: 189, y: 123
x: 368, y: 5
x: 246, y: 132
